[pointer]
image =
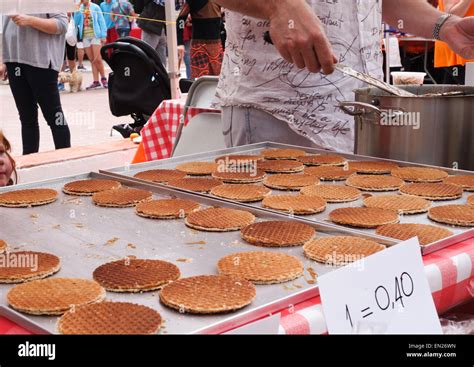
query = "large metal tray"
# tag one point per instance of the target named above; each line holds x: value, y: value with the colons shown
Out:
x: 85, y: 236
x: 460, y: 233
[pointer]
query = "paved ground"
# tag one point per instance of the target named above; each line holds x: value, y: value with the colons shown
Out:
x: 87, y: 113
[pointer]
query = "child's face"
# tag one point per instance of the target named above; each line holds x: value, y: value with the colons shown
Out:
x: 6, y: 168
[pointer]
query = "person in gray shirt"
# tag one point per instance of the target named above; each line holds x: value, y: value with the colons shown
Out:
x: 33, y: 52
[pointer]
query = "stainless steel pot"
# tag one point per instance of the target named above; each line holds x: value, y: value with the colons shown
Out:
x: 432, y: 128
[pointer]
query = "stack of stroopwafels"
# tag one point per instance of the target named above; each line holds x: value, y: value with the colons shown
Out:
x: 332, y: 193
x: 160, y: 175
x: 374, y: 182
x: 198, y: 168
x: 27, y: 198
x: 363, y: 217
x: 323, y: 160
x: 290, y: 182
x: 135, y: 275
x: 403, y: 204
x: 121, y: 198
x: 295, y: 204
x: 281, y: 166
x: 208, y: 294
x: 238, y: 160
x: 433, y: 191
x: 466, y: 182
x: 330, y: 173
x: 219, y: 219
x: 458, y: 215
x: 195, y: 184
x: 419, y: 174
x: 89, y: 187
x: 239, y: 176
x: 403, y: 231
x: 470, y: 200
x: 242, y: 193
x: 23, y: 266
x: 277, y: 234
x: 283, y: 153
x: 166, y: 209
x: 373, y: 167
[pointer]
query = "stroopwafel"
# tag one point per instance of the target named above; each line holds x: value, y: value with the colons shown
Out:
x: 323, y: 160
x: 197, y: 168
x: 219, y: 219
x: 208, y: 294
x: 23, y: 266
x: 54, y: 296
x: 195, y: 184
x: 89, y: 187
x: 238, y: 160
x: 121, y: 198
x: 135, y: 275
x: 470, y: 200
x: 290, y: 182
x: 277, y: 234
x: 403, y: 204
x: 403, y: 231
x: 373, y: 167
x: 330, y: 173
x: 295, y: 204
x: 247, y: 176
x: 466, y: 182
x: 110, y: 318
x: 374, y: 182
x: 332, y: 193
x: 340, y: 250
x: 27, y: 198
x: 458, y: 215
x: 160, y: 175
x: 3, y: 246
x: 241, y: 193
x: 433, y: 191
x: 261, y: 267
x: 283, y: 153
x: 419, y: 174
x: 281, y: 166
x: 363, y: 217
x: 166, y: 208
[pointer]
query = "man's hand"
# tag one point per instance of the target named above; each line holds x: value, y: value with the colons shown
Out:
x: 22, y: 20
x: 181, y: 52
x: 3, y: 72
x: 458, y: 33
x: 299, y: 37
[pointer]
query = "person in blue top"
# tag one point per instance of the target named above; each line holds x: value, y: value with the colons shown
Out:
x: 123, y: 10
x: 106, y: 6
x: 92, y: 31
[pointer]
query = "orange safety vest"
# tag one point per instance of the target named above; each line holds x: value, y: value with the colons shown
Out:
x: 444, y: 56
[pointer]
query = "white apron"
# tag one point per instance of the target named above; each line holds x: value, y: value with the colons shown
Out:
x: 254, y: 74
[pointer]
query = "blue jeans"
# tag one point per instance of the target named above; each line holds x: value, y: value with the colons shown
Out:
x: 187, y: 58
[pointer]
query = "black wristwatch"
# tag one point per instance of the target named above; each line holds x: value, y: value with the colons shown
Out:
x: 439, y: 24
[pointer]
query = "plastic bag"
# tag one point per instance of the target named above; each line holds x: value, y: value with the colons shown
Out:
x: 71, y: 34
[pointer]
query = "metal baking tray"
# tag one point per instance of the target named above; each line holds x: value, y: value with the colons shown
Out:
x: 85, y: 236
x: 460, y: 233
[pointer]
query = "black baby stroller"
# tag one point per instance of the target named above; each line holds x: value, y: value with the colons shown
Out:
x: 138, y: 82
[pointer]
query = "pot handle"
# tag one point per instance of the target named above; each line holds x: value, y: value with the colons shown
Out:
x: 358, y: 108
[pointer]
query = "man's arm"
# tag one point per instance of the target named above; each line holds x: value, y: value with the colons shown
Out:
x: 419, y: 17
x: 295, y: 29
x: 458, y: 7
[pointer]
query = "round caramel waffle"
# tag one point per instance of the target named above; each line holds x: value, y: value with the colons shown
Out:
x: 239, y: 177
x: 404, y: 231
x: 281, y: 166
x: 238, y: 160
x: 290, y: 182
x: 403, y: 204
x: 373, y: 167
x: 419, y: 174
x: 195, y: 184
x: 332, y: 193
x: 3, y: 246
x: 363, y: 217
x: 283, y: 153
x: 89, y: 187
x: 197, y: 168
x: 121, y: 198
x: 241, y: 193
x: 433, y: 191
x: 458, y: 215
x: 261, y: 267
x: 466, y: 182
x: 27, y: 198
x: 54, y: 296
x: 23, y: 266
x: 470, y: 200
x: 110, y: 318
x: 323, y: 160
x: 160, y: 175
x: 135, y: 275
x: 330, y: 173
x: 295, y: 204
x: 340, y: 250
x: 374, y: 182
x: 277, y: 234
x: 208, y: 294
x: 166, y: 209
x: 219, y: 219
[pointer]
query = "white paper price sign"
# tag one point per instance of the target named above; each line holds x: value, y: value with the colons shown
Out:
x: 386, y: 293
x: 11, y: 7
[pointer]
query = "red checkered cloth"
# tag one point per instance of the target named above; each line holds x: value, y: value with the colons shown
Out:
x: 159, y: 134
x: 450, y: 274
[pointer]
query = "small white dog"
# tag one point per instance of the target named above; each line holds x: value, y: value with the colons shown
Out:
x: 74, y: 80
